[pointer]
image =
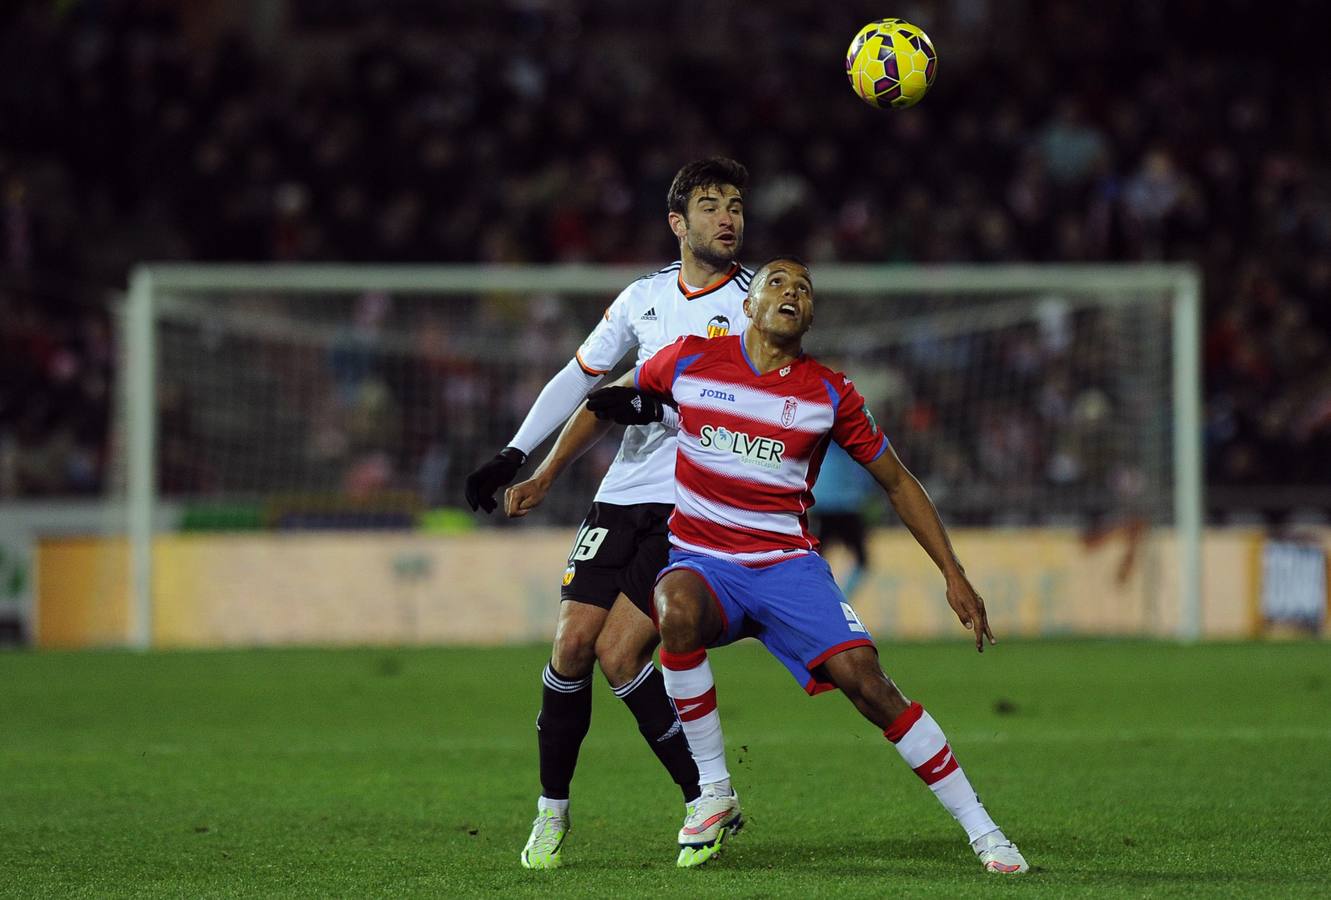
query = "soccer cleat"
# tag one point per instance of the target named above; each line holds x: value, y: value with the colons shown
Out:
x: 708, y: 822
x: 999, y: 855
x: 547, y: 837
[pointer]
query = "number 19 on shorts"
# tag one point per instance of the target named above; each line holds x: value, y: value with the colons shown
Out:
x: 587, y: 543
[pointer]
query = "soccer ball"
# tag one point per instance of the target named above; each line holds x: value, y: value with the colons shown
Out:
x: 891, y: 63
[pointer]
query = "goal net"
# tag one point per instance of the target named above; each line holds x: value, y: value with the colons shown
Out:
x: 285, y: 400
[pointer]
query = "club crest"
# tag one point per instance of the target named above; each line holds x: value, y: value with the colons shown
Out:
x: 788, y: 413
x: 718, y: 327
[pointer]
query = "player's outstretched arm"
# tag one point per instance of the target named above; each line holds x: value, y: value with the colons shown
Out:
x: 919, y: 514
x: 580, y: 432
x: 561, y: 396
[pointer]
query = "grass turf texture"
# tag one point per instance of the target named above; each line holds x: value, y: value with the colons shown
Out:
x: 1121, y: 769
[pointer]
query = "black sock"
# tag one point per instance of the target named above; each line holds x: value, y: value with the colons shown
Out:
x: 566, y: 714
x: 646, y: 698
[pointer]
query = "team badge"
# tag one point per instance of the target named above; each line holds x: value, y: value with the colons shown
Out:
x: 568, y: 574
x: 788, y: 413
x: 718, y: 327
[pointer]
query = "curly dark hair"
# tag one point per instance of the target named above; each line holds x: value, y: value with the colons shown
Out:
x: 713, y: 171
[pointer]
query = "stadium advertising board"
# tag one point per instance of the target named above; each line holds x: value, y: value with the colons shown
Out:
x: 490, y: 588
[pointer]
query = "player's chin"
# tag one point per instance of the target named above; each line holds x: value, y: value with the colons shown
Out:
x: 785, y: 326
x: 726, y: 250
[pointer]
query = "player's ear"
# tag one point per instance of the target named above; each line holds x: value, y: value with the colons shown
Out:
x: 746, y: 308
x: 679, y: 226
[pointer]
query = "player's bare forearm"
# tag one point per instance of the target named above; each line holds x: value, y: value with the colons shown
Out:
x: 580, y: 432
x: 577, y: 436
x: 919, y: 514
x: 917, y: 511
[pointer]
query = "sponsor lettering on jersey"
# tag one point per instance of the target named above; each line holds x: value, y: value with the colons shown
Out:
x: 752, y: 450
x: 649, y: 316
x: 719, y: 326
x: 716, y: 395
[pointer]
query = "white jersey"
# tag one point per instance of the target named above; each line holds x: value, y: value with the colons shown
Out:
x: 651, y: 313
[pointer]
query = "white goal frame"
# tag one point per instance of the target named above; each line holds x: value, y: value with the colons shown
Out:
x: 1182, y: 283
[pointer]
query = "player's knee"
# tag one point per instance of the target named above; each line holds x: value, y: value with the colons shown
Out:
x: 574, y: 652
x: 621, y: 664
x: 622, y: 657
x: 679, y: 619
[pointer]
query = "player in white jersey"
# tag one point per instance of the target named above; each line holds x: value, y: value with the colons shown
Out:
x: 607, y: 585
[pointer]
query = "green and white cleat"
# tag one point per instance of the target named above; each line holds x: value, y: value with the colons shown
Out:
x: 999, y: 855
x: 710, y: 820
x: 547, y: 838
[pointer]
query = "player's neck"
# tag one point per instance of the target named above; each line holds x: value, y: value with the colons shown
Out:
x: 698, y: 274
x: 768, y: 355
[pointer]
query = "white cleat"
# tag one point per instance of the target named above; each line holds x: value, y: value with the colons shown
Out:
x: 999, y: 855
x: 547, y: 839
x: 711, y: 819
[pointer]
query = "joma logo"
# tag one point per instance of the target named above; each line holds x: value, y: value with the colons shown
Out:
x: 718, y: 395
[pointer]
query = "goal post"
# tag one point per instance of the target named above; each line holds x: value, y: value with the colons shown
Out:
x: 1119, y: 343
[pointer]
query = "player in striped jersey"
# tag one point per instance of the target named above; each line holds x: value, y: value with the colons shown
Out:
x: 756, y: 417
x: 607, y: 584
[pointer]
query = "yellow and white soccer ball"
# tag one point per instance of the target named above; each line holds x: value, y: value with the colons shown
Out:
x: 891, y: 63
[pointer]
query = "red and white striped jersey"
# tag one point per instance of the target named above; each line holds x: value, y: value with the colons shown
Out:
x: 750, y: 445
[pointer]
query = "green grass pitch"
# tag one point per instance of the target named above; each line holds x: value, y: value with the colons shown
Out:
x: 1121, y: 769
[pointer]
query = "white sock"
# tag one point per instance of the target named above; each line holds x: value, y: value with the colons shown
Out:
x: 924, y: 747
x: 557, y: 805
x: 688, y: 681
x: 723, y: 788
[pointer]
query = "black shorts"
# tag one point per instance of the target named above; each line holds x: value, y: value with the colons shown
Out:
x: 844, y: 528
x: 618, y: 550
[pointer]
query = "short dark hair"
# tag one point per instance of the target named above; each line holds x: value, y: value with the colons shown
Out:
x: 701, y: 173
x: 785, y: 257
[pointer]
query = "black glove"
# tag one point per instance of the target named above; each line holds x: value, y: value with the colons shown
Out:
x: 497, y: 472
x: 626, y: 405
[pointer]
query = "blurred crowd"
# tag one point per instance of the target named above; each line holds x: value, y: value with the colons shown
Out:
x: 530, y: 131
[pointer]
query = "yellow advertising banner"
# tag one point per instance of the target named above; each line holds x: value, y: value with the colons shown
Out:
x: 502, y: 586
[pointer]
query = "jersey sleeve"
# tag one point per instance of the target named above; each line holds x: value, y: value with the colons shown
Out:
x: 612, y: 337
x: 855, y: 428
x: 658, y: 373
